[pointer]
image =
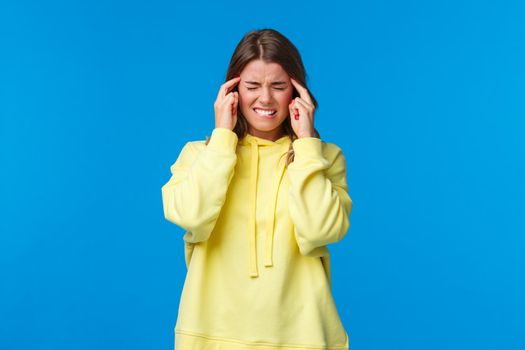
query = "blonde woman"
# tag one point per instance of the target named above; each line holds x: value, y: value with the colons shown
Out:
x: 259, y: 201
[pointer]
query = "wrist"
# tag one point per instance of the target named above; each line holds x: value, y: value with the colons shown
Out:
x: 223, y: 127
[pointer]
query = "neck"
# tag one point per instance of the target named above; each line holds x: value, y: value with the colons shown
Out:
x: 272, y: 135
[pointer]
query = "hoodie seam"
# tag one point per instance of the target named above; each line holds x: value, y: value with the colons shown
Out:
x: 276, y: 345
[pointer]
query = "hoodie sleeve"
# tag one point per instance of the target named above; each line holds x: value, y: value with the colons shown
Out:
x: 319, y: 204
x: 196, y: 191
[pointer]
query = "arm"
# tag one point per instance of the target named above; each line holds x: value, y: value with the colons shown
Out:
x: 196, y: 191
x: 319, y: 204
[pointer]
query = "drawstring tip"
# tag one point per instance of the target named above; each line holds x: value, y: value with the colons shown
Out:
x: 268, y: 261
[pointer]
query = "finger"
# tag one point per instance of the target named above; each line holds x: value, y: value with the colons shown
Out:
x: 304, y: 104
x: 294, y: 111
x: 290, y: 108
x: 303, y: 92
x: 230, y: 84
x: 226, y: 100
x: 224, y: 87
x: 294, y: 114
x: 299, y: 106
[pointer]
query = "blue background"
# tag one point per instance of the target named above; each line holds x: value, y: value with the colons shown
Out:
x: 426, y: 99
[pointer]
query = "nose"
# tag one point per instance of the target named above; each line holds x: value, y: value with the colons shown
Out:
x: 266, y: 96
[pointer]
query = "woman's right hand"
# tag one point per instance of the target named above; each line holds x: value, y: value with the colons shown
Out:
x: 225, y: 105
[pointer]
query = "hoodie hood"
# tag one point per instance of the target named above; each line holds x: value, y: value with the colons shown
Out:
x: 280, y: 146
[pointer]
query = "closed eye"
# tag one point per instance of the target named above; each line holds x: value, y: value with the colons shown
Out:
x: 280, y: 89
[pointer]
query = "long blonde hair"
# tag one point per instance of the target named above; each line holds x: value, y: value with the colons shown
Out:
x: 270, y: 46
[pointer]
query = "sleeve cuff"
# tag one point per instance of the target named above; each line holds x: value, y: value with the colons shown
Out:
x: 308, y: 146
x: 223, y: 140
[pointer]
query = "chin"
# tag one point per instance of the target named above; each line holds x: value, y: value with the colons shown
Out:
x: 266, y: 125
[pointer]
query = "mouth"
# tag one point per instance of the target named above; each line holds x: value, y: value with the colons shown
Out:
x: 264, y: 112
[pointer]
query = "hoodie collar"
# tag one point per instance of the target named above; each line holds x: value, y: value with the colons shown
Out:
x: 281, y: 146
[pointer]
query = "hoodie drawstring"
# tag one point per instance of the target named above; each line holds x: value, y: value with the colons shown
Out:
x: 254, y: 172
x: 268, y: 258
x: 253, y: 197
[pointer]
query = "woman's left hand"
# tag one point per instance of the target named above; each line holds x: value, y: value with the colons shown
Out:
x: 302, y: 112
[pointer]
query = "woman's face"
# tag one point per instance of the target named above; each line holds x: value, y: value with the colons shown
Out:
x: 265, y: 86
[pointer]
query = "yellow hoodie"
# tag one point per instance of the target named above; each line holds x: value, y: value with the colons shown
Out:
x: 258, y: 268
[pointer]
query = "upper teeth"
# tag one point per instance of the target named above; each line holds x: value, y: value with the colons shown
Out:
x: 262, y: 111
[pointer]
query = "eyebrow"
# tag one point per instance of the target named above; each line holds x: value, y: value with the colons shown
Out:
x: 273, y: 83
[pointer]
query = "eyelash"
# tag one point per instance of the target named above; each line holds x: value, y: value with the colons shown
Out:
x: 256, y: 88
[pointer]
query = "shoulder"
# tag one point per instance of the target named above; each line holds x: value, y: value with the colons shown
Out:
x: 332, y: 152
x: 190, y: 149
x: 196, y: 145
x: 221, y: 139
x: 317, y: 148
x: 336, y: 160
x: 330, y: 148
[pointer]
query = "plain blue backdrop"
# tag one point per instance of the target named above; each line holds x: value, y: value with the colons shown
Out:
x: 426, y: 99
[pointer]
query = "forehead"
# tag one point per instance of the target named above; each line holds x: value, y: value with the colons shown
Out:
x: 258, y: 69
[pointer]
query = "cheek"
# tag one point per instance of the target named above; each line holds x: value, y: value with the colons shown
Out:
x: 287, y: 95
x: 285, y: 98
x: 244, y: 102
x: 245, y: 96
x: 248, y: 97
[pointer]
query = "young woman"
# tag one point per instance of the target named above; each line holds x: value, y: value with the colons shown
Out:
x: 259, y: 201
